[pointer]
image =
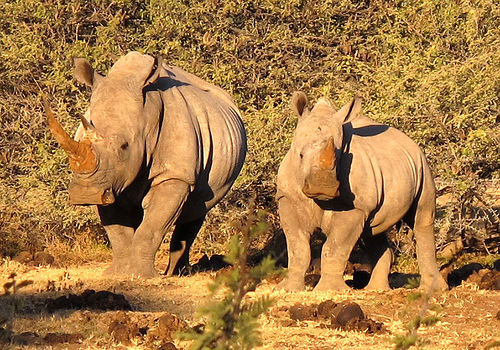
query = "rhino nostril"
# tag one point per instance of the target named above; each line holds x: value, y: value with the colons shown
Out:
x: 108, y: 197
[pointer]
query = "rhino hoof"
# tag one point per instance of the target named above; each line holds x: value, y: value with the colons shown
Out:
x: 325, y: 285
x: 291, y: 286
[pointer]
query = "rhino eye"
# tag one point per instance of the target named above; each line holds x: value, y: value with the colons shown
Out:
x: 124, y: 146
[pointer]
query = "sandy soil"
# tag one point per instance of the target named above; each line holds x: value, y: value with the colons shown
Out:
x: 467, y: 315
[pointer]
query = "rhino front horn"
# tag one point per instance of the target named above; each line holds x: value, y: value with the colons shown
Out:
x: 327, y: 155
x: 82, y: 158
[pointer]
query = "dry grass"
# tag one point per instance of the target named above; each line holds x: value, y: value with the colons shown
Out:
x: 467, y: 315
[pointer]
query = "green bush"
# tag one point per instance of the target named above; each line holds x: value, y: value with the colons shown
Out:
x: 428, y: 67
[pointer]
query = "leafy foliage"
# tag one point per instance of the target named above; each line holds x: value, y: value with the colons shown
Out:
x: 427, y: 67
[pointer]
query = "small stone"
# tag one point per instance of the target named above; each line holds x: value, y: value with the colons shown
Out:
x: 347, y: 312
x: 43, y: 258
x: 23, y: 257
x: 325, y: 309
x: 303, y: 312
x: 167, y: 346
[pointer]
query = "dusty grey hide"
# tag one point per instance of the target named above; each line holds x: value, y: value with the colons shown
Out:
x: 157, y: 147
x: 350, y: 177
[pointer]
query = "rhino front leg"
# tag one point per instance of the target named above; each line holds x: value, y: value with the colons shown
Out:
x: 162, y: 206
x: 342, y: 232
x: 120, y: 229
x: 298, y: 248
x: 182, y: 239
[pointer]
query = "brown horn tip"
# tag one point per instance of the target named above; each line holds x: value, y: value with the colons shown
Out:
x: 82, y: 158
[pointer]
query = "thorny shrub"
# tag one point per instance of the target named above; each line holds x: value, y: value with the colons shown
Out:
x: 428, y: 67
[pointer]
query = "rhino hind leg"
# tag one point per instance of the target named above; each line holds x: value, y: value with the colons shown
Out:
x: 381, y: 257
x: 431, y: 279
x: 422, y: 224
x: 180, y: 244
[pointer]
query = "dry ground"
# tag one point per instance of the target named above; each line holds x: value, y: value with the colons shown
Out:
x: 468, y: 316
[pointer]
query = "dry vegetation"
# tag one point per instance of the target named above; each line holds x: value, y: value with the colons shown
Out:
x: 467, y: 316
x: 430, y: 68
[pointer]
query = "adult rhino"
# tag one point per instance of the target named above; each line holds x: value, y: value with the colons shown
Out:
x: 157, y: 147
x: 350, y: 177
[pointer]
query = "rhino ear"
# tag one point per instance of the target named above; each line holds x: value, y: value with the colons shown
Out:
x: 299, y: 103
x: 155, y: 71
x: 84, y: 72
x: 350, y: 110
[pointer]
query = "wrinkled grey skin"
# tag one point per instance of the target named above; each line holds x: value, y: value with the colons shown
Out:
x: 378, y: 177
x: 169, y: 146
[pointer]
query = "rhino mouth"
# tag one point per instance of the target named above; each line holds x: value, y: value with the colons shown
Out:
x: 321, y: 185
x: 88, y: 195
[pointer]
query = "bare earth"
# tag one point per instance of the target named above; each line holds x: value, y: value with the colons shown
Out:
x: 467, y: 315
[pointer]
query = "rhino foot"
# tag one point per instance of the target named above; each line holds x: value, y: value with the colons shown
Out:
x: 326, y: 283
x: 117, y: 268
x: 143, y: 271
x: 292, y: 285
x: 433, y: 284
x: 378, y: 285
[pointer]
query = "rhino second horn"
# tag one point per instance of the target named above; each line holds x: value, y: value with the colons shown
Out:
x: 82, y: 158
x: 327, y: 155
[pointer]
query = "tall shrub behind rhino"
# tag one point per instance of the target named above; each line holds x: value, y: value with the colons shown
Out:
x: 157, y: 147
x: 351, y: 176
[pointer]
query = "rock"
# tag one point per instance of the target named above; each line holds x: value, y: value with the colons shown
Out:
x: 168, y: 324
x: 167, y: 346
x: 345, y: 312
x: 303, y: 312
x: 365, y: 325
x: 43, y: 258
x: 326, y: 309
x: 122, y: 329
x: 490, y: 280
x: 23, y: 257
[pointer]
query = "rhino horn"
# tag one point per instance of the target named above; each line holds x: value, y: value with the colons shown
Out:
x: 327, y: 155
x: 82, y: 158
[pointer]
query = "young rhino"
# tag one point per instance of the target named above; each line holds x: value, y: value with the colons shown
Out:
x: 350, y: 177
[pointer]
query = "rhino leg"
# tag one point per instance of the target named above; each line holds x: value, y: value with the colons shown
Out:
x: 342, y: 233
x: 120, y: 221
x: 381, y: 257
x: 297, y: 242
x: 421, y: 220
x: 182, y: 239
x: 162, y: 206
x: 431, y: 279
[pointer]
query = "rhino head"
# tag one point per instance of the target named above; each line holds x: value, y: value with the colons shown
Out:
x: 317, y: 144
x: 109, y: 147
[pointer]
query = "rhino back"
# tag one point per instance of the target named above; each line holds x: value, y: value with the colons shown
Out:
x: 201, y: 139
x: 382, y: 171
